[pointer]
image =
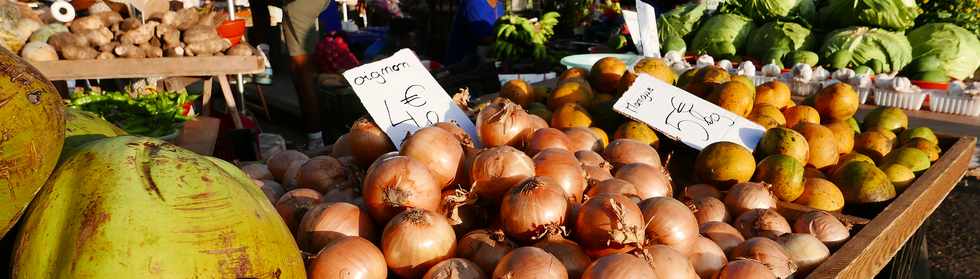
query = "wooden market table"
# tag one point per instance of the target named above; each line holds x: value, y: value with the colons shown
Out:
x: 210, y: 67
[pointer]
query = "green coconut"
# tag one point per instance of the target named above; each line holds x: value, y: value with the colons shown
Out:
x: 142, y: 208
x: 32, y: 131
x: 82, y: 127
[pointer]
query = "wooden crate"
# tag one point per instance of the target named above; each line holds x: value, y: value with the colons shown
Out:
x: 150, y: 67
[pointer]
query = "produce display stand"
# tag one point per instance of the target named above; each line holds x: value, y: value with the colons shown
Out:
x: 212, y: 67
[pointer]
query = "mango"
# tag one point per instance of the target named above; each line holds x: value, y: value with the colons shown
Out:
x: 733, y: 96
x: 836, y: 102
x: 783, y: 141
x: 822, y: 144
x: 724, y: 164
x: 820, y: 193
x: 862, y: 182
x: 887, y: 118
x: 605, y: 74
x: 931, y: 149
x: 918, y: 132
x: 913, y: 158
x: 900, y: 176
x: 785, y: 173
x: 844, y: 136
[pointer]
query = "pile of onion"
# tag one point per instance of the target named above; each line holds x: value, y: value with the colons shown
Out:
x: 331, y: 221
x: 279, y: 163
x: 669, y: 222
x: 567, y: 252
x: 745, y: 268
x: 349, y: 257
x: 561, y: 166
x: 485, y: 248
x: 650, y: 181
x: 545, y: 138
x: 668, y: 263
x: 746, y: 196
x: 324, y: 173
x: 415, y: 240
x: 397, y: 183
x: 258, y: 171
x: 455, y: 268
x: 627, y: 151
x: 708, y: 209
x: 697, y: 191
x: 619, y: 266
x: 768, y: 252
x: 805, y: 249
x: 762, y: 222
x: 609, y: 224
x: 495, y: 170
x: 615, y: 186
x: 436, y: 149
x: 723, y: 234
x: 533, y: 209
x: 294, y: 204
x: 583, y: 139
x: 529, y: 262
x: 706, y: 257
x: 501, y: 123
x: 367, y: 142
x: 824, y: 226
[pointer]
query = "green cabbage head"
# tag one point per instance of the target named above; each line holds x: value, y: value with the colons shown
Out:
x: 764, y: 10
x: 890, y: 14
x: 957, y: 48
x: 784, y: 37
x: 722, y: 35
x: 678, y: 23
x: 865, y: 43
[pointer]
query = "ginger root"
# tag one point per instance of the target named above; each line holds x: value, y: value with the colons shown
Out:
x: 97, y: 37
x: 200, y: 33
x: 165, y: 18
x: 130, y: 51
x: 177, y: 51
x: 130, y: 24
x: 107, y: 47
x: 241, y: 49
x: 105, y: 55
x: 86, y: 23
x: 39, y: 51
x: 72, y: 52
x: 151, y: 51
x: 108, y: 18
x: 169, y: 34
x: 186, y: 18
x: 139, y: 35
x: 207, y: 48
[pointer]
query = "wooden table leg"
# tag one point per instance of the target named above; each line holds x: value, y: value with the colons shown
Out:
x: 206, y: 96
x: 230, y: 100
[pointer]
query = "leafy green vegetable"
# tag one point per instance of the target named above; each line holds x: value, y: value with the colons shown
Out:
x: 891, y: 14
x: 152, y: 114
x: 863, y: 44
x: 722, y: 35
x: 764, y: 10
x: 956, y: 48
x: 784, y: 37
x: 678, y: 24
x: 963, y: 13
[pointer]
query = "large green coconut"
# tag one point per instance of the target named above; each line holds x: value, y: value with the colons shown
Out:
x: 132, y: 207
x: 82, y: 127
x: 32, y: 129
x: 862, y: 182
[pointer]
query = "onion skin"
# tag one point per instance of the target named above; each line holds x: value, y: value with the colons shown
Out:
x: 824, y: 226
x: 294, y: 204
x: 367, y: 142
x: 619, y: 266
x: 615, y: 186
x: 272, y: 190
x: 569, y: 176
x: 746, y: 196
x: 495, y: 170
x: 583, y: 139
x: 415, y: 240
x: 723, y: 234
x: 745, y: 268
x: 258, y: 171
x: 650, y: 181
x: 707, y: 209
x: 609, y: 224
x: 349, y: 257
x: 348, y: 195
x: 668, y: 263
x: 669, y: 222
x: 696, y: 191
x: 594, y: 175
x: 455, y: 268
x: 590, y: 158
x: 323, y: 173
x: 461, y: 209
x: 278, y: 163
x: 462, y: 137
x: 341, y: 147
x: 485, y: 248
x: 556, y: 155
x: 501, y: 124
x: 805, y: 249
x: 331, y: 221
x: 398, y: 183
x: 706, y: 257
x: 768, y: 252
x: 529, y: 262
x: 762, y: 222
x: 547, y: 138
x: 627, y: 151
x: 437, y: 150
x: 290, y: 180
x: 533, y: 208
x: 382, y: 159
x: 568, y: 253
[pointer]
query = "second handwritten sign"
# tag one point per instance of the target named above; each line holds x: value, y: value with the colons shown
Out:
x: 685, y: 117
x: 402, y: 96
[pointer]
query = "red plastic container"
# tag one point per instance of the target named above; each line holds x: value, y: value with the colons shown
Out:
x: 233, y: 30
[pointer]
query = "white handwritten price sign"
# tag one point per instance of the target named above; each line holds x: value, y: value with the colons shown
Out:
x: 685, y: 117
x: 402, y: 96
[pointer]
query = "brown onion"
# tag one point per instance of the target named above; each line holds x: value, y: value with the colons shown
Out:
x: 706, y: 257
x: 485, y: 248
x: 594, y: 175
x: 533, y: 208
x: 746, y: 196
x: 570, y: 215
x: 619, y: 266
x: 723, y: 234
x: 534, y: 123
x: 290, y: 180
x: 545, y: 138
x: 583, y: 139
x: 762, y: 222
x: 455, y: 268
x: 569, y: 176
x: 278, y: 163
x: 437, y: 150
x: 568, y: 253
x: 529, y: 262
x: 609, y: 224
x: 668, y: 263
x: 331, y: 221
x: 258, y: 171
x: 696, y: 191
x: 615, y: 186
x: 464, y: 138
x: 382, y: 158
x: 590, y: 158
x: 349, y: 257
x: 272, y: 190
x: 707, y: 209
x: 627, y: 151
x: 497, y: 169
x: 367, y: 142
x: 500, y: 124
x: 805, y: 249
x: 462, y: 210
x: 348, y: 195
x: 745, y: 268
x: 556, y: 155
x: 415, y: 240
x: 650, y: 181
x: 669, y: 222
x: 824, y: 226
x: 324, y: 173
x: 398, y: 183
x: 294, y: 204
x: 769, y: 253
x: 341, y: 147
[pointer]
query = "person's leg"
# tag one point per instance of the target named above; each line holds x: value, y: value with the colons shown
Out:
x: 301, y: 38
